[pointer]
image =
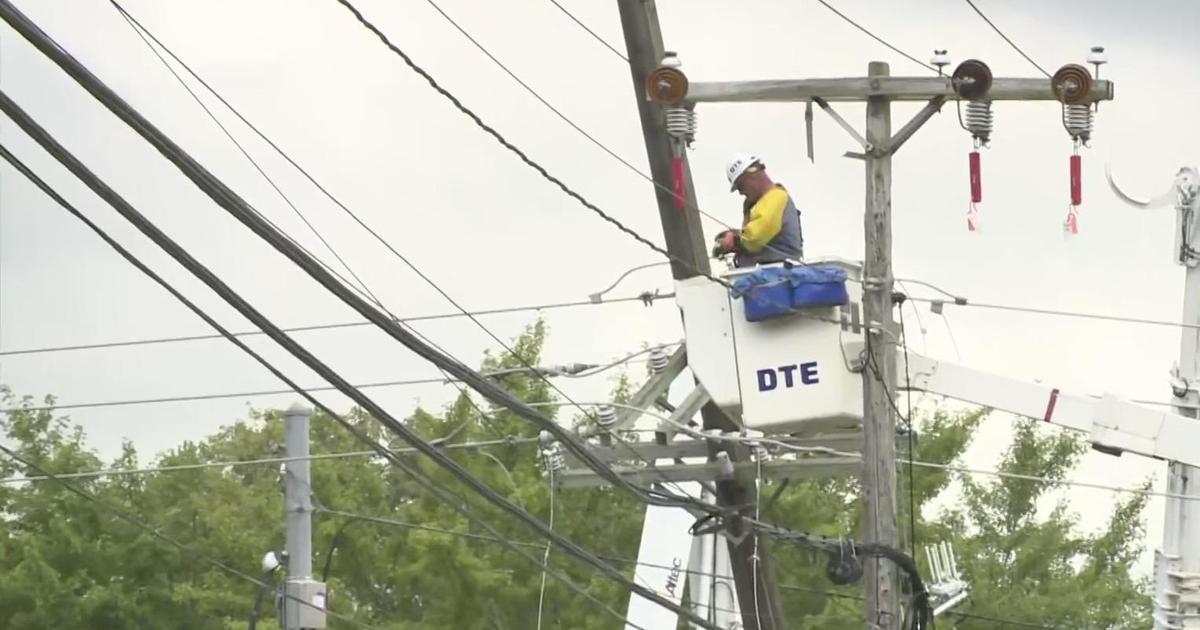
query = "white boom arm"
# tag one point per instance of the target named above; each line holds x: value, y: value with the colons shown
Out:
x: 1113, y: 425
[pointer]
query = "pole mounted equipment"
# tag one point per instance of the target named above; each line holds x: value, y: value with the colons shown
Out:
x: 1072, y: 86
x: 971, y: 80
x: 940, y: 60
x: 667, y: 86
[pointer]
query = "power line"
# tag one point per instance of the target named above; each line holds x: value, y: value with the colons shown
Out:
x: 645, y: 298
x: 757, y: 441
x: 1005, y: 37
x: 876, y: 37
x: 378, y: 520
x: 508, y: 145
x: 245, y: 153
x: 366, y: 292
x: 146, y: 37
x: 597, y: 37
x: 240, y: 210
x: 445, y: 380
x: 541, y: 170
x: 137, y: 472
x: 1006, y: 622
x: 557, y: 112
x: 405, y: 339
x: 21, y: 23
x: 960, y: 301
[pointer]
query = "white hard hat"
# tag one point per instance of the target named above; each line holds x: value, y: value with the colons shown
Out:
x: 738, y: 165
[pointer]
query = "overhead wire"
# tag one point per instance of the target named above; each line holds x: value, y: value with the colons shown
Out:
x: 430, y: 484
x: 510, y: 544
x: 875, y: 37
x: 528, y: 161
x: 645, y: 298
x: 821, y: 450
x: 620, y: 55
x: 238, y: 463
x: 401, y: 257
x: 1011, y: 43
x: 238, y: 208
x: 191, y: 551
x: 217, y: 121
x: 44, y: 43
x: 557, y: 112
x: 960, y: 301
x: 445, y: 380
x: 361, y: 287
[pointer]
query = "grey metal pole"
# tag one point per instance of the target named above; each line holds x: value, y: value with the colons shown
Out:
x: 879, y: 377
x: 1177, y: 566
x: 304, y: 605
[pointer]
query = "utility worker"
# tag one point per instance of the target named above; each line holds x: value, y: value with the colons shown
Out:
x: 770, y: 220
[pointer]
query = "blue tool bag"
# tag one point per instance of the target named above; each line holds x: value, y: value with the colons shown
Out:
x: 771, y: 292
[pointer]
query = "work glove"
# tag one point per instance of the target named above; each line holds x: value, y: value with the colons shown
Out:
x: 725, y: 243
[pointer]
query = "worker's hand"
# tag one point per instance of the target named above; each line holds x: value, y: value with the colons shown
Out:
x: 725, y: 243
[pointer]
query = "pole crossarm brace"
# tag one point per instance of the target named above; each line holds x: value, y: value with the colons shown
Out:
x: 858, y: 89
x: 867, y: 146
x: 896, y: 141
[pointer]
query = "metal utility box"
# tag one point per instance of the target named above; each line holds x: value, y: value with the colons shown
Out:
x: 788, y: 374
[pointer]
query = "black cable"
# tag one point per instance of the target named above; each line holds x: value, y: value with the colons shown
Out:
x: 137, y: 25
x: 906, y: 563
x: 189, y: 551
x: 146, y: 37
x: 590, y: 31
x: 248, y: 157
x: 245, y: 214
x: 223, y: 195
x: 1005, y: 37
x: 1006, y: 622
x: 81, y: 171
x: 541, y: 170
x: 516, y: 150
x: 876, y: 37
x: 557, y: 112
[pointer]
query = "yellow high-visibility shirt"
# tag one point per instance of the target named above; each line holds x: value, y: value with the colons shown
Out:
x: 765, y: 220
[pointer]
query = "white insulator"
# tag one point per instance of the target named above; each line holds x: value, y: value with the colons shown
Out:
x: 1078, y: 121
x: 606, y: 415
x: 681, y: 124
x: 979, y: 120
x: 659, y: 359
x: 553, y: 458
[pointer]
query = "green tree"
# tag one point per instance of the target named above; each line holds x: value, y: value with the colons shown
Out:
x: 65, y: 563
x: 1020, y: 568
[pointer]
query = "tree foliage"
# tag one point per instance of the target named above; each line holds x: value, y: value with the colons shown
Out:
x: 66, y: 562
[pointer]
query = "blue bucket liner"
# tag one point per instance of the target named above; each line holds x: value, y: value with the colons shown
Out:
x: 773, y: 292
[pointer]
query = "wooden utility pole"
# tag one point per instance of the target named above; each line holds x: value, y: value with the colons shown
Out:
x: 681, y: 227
x: 972, y: 81
x: 758, y: 592
x: 879, y: 424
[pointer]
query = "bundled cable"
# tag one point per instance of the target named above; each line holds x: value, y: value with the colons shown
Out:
x: 244, y: 213
x: 35, y: 131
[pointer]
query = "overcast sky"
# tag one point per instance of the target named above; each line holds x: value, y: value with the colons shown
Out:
x: 493, y: 234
